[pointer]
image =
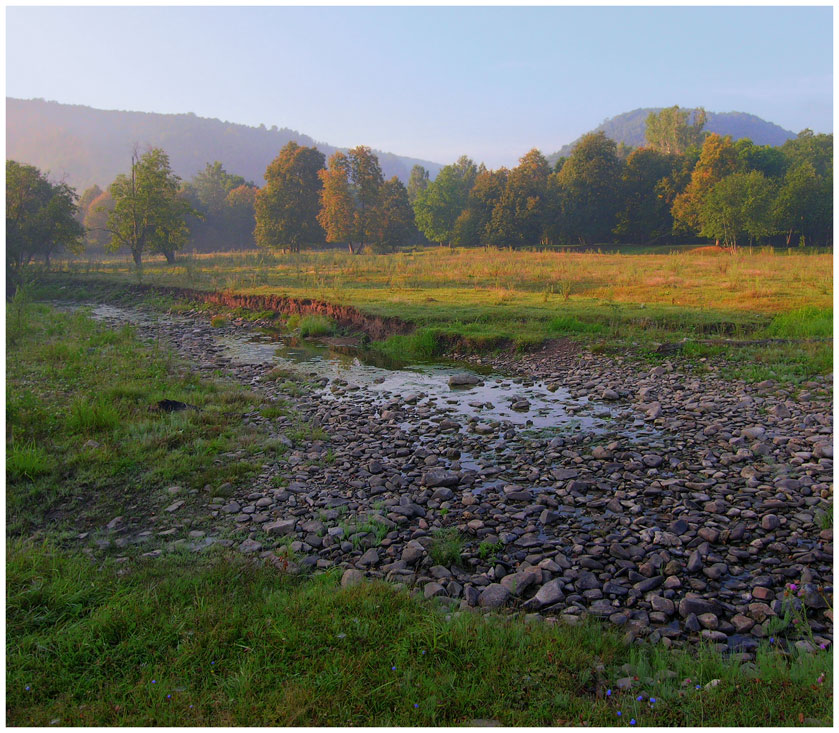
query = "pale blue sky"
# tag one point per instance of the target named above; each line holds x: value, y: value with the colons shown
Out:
x: 429, y: 82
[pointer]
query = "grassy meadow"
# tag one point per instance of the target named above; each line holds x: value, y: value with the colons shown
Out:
x: 488, y: 297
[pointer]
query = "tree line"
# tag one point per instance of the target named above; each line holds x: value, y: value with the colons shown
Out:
x: 683, y: 184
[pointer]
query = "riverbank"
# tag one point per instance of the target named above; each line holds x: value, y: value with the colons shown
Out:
x: 479, y: 300
x: 330, y: 481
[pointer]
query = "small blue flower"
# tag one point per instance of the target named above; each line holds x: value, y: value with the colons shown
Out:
x: 608, y: 693
x: 154, y: 682
x: 698, y: 686
x: 619, y: 712
x: 393, y: 669
x: 652, y: 700
x: 423, y: 651
x: 771, y: 639
x: 632, y: 722
x: 190, y: 706
x: 168, y: 697
x: 212, y: 662
x: 416, y: 705
x: 639, y: 698
x: 27, y: 687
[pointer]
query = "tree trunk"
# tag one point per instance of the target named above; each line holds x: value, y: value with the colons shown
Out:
x: 47, y: 259
x: 137, y: 254
x: 170, y: 256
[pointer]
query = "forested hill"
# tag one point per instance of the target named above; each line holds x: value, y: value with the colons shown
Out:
x: 84, y: 145
x: 629, y: 128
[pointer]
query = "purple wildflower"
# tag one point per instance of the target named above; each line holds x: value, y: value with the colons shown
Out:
x: 632, y: 722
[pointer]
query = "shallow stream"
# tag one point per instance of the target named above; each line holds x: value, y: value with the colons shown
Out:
x: 351, y: 376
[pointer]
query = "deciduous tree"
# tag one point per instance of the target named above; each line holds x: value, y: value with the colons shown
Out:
x: 518, y: 218
x: 149, y: 213
x: 584, y: 195
x: 737, y: 206
x: 644, y: 213
x: 287, y: 207
x: 417, y: 182
x: 395, y: 217
x: 671, y: 131
x: 717, y: 160
x: 441, y: 203
x: 40, y: 217
x: 350, y: 198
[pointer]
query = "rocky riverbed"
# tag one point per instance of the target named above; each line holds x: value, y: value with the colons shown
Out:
x: 677, y: 507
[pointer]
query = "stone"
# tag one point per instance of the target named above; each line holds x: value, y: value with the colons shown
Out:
x: 351, y: 577
x: 281, y: 527
x: 248, y: 547
x: 464, y: 379
x: 549, y: 594
x: 371, y: 557
x: 494, y: 595
x: 696, y: 605
x: 433, y: 589
x: 174, y: 506
x: 770, y: 522
x: 413, y: 553
x: 440, y: 477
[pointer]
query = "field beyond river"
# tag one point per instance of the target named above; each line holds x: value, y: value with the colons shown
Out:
x: 484, y: 298
x: 564, y: 489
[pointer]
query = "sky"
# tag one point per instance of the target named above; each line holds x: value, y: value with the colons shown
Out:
x: 429, y: 82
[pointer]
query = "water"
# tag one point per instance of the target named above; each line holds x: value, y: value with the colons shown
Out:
x: 352, y: 378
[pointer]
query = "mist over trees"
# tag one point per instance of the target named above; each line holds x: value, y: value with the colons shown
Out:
x: 684, y: 184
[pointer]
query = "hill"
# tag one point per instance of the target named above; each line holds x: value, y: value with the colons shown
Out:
x: 83, y: 145
x: 629, y: 128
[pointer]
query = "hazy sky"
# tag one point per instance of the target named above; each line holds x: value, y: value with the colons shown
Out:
x: 429, y: 82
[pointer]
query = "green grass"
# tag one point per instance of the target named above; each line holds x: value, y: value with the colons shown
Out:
x: 214, y: 641
x: 802, y: 323
x: 446, y: 546
x: 316, y: 326
x: 71, y: 381
x: 26, y: 461
x: 483, y: 298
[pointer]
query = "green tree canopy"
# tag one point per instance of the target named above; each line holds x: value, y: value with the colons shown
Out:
x: 671, y: 131
x: 417, y: 182
x: 41, y: 217
x: 717, y: 160
x: 441, y: 203
x: 518, y: 217
x: 644, y: 213
x: 395, y: 217
x: 149, y: 213
x: 584, y: 195
x: 287, y: 207
x: 737, y: 206
x: 804, y: 205
x: 472, y: 227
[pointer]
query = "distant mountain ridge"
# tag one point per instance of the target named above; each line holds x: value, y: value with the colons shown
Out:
x: 630, y: 128
x: 83, y: 145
